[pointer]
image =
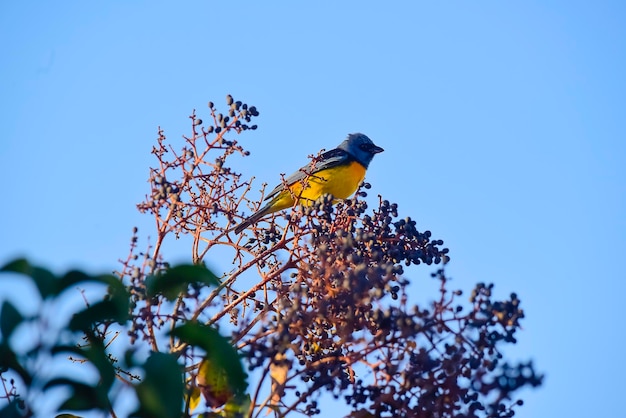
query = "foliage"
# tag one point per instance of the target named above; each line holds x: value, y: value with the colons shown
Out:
x: 161, y: 388
x: 315, y: 304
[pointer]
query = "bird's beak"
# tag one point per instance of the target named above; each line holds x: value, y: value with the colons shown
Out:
x: 376, y: 149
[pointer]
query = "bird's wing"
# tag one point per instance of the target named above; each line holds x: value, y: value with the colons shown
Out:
x: 327, y: 160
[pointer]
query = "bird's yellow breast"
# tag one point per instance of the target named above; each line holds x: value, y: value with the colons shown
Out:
x: 341, y: 182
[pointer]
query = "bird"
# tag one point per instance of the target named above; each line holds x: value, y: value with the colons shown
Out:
x: 338, y: 172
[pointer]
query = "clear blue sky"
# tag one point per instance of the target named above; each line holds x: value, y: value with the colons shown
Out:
x: 503, y: 125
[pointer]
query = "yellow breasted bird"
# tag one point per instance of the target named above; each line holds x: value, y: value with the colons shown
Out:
x: 338, y: 172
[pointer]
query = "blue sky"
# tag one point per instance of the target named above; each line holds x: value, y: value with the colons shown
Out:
x: 503, y: 125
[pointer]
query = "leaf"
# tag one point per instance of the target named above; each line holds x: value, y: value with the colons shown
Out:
x: 15, y: 409
x: 194, y: 398
x: 279, y: 369
x: 9, y: 360
x: 10, y: 318
x: 219, y: 351
x: 237, y: 407
x: 104, y: 311
x: 361, y: 413
x: 176, y: 280
x: 50, y: 285
x: 72, y: 278
x: 45, y: 281
x: 161, y: 392
x: 212, y: 379
x: 114, y: 308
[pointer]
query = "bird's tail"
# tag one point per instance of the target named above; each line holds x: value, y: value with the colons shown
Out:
x: 253, y: 218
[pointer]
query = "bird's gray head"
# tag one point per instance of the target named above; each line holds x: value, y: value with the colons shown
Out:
x: 361, y: 148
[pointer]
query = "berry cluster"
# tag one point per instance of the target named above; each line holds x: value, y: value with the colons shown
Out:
x: 321, y: 292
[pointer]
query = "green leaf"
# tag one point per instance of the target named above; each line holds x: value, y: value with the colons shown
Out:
x: 50, y: 285
x: 72, y: 278
x: 84, y: 397
x: 45, y: 281
x: 104, y: 311
x: 194, y: 398
x: 237, y: 407
x: 9, y: 360
x: 114, y: 308
x: 219, y: 351
x: 161, y: 391
x: 15, y: 409
x: 10, y: 318
x: 175, y: 281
